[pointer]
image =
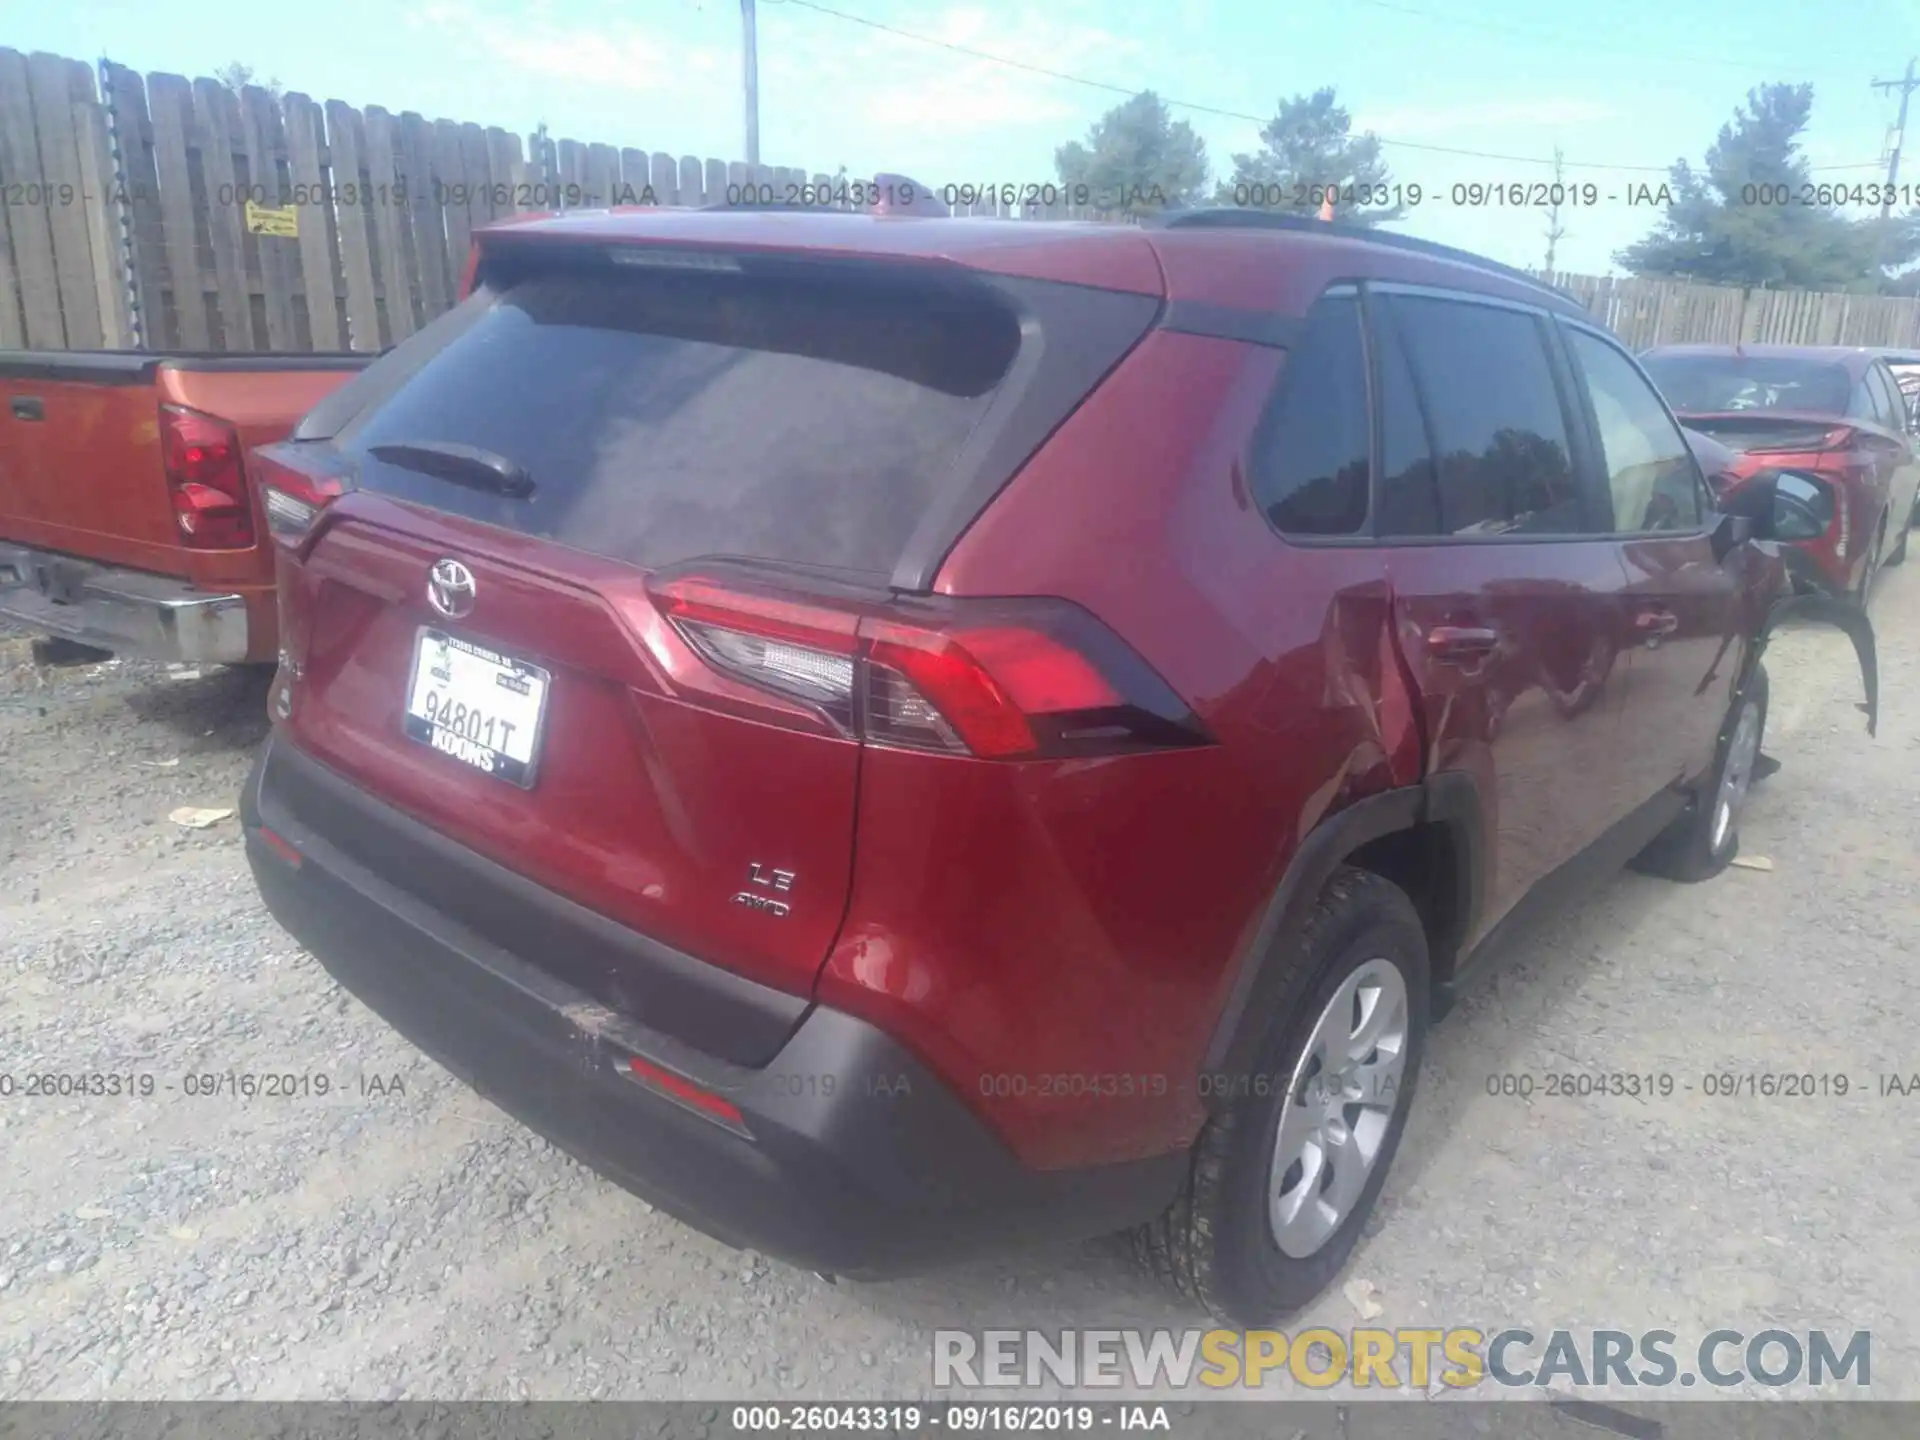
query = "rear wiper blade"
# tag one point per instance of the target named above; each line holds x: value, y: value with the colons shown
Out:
x: 461, y: 464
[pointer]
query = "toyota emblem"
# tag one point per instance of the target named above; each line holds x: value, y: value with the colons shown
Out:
x: 450, y: 589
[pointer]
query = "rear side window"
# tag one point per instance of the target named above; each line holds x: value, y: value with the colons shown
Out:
x: 1906, y: 380
x: 1889, y: 408
x: 1863, y: 404
x: 664, y: 414
x: 1310, y: 451
x: 1499, y: 434
x: 1650, y: 471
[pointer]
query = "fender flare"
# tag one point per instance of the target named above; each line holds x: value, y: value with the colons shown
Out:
x: 1844, y: 615
x: 1449, y: 798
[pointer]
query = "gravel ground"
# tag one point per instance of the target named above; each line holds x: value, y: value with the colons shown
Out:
x: 400, y: 1238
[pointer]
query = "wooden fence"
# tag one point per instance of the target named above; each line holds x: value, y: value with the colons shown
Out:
x: 1656, y: 312
x: 159, y: 212
x: 165, y: 213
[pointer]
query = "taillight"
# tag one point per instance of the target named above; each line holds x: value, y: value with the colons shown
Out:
x: 805, y: 652
x: 987, y: 684
x: 201, y: 456
x: 998, y: 679
x: 294, y: 489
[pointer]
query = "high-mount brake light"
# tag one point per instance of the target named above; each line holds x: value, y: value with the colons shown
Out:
x: 1000, y: 680
x: 641, y: 257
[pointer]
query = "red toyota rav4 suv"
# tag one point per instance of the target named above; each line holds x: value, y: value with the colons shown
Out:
x: 885, y: 736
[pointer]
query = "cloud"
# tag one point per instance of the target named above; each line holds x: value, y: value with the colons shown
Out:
x: 618, y: 56
x: 829, y: 89
x: 888, y: 81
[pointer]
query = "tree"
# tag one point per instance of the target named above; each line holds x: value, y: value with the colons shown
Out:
x: 1307, y: 147
x: 1137, y: 159
x: 236, y: 77
x: 1741, y: 219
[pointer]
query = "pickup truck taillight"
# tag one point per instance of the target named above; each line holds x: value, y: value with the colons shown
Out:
x: 201, y: 455
x: 293, y: 494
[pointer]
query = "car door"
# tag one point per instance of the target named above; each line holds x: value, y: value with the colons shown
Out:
x: 1506, y: 594
x: 1684, y: 588
x: 1881, y: 456
x: 1905, y: 482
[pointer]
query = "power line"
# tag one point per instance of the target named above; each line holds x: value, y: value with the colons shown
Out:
x: 1228, y: 114
x: 1583, y: 42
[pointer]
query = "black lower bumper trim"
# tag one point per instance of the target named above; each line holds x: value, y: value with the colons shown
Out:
x: 858, y: 1160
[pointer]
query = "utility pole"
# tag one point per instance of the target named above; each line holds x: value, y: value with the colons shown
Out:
x: 750, y: 80
x: 1556, y: 232
x: 1906, y: 87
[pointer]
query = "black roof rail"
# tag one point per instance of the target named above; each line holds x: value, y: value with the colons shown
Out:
x: 1224, y: 217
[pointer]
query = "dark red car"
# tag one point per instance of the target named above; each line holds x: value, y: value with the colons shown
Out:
x: 889, y: 737
x: 1832, y: 412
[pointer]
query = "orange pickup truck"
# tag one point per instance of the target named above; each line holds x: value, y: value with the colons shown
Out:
x: 126, y: 519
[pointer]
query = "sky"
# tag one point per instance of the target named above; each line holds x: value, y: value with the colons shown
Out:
x: 1624, y: 89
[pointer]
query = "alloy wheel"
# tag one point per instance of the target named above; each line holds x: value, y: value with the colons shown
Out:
x: 1339, y: 1107
x: 1736, y: 775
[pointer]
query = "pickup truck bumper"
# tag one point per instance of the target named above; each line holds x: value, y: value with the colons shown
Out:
x: 128, y: 611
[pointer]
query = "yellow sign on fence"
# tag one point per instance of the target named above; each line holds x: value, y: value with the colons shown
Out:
x: 273, y: 220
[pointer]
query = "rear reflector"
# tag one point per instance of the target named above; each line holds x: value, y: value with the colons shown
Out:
x: 280, y: 847
x: 997, y: 679
x: 684, y: 1092
x: 201, y: 457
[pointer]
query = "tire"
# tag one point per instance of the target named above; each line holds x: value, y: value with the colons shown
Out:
x: 1696, y: 846
x: 1218, y: 1243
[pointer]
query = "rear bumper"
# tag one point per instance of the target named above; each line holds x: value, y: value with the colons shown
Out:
x: 121, y: 610
x: 851, y: 1157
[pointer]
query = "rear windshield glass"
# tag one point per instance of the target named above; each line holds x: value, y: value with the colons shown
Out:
x: 1749, y: 382
x: 661, y: 415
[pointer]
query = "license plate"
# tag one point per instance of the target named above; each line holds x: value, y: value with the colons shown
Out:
x: 476, y: 705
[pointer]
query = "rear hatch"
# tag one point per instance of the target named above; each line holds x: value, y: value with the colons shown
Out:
x: 505, y: 628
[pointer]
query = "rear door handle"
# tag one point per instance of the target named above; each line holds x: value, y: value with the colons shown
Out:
x: 1461, y: 644
x: 27, y: 407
